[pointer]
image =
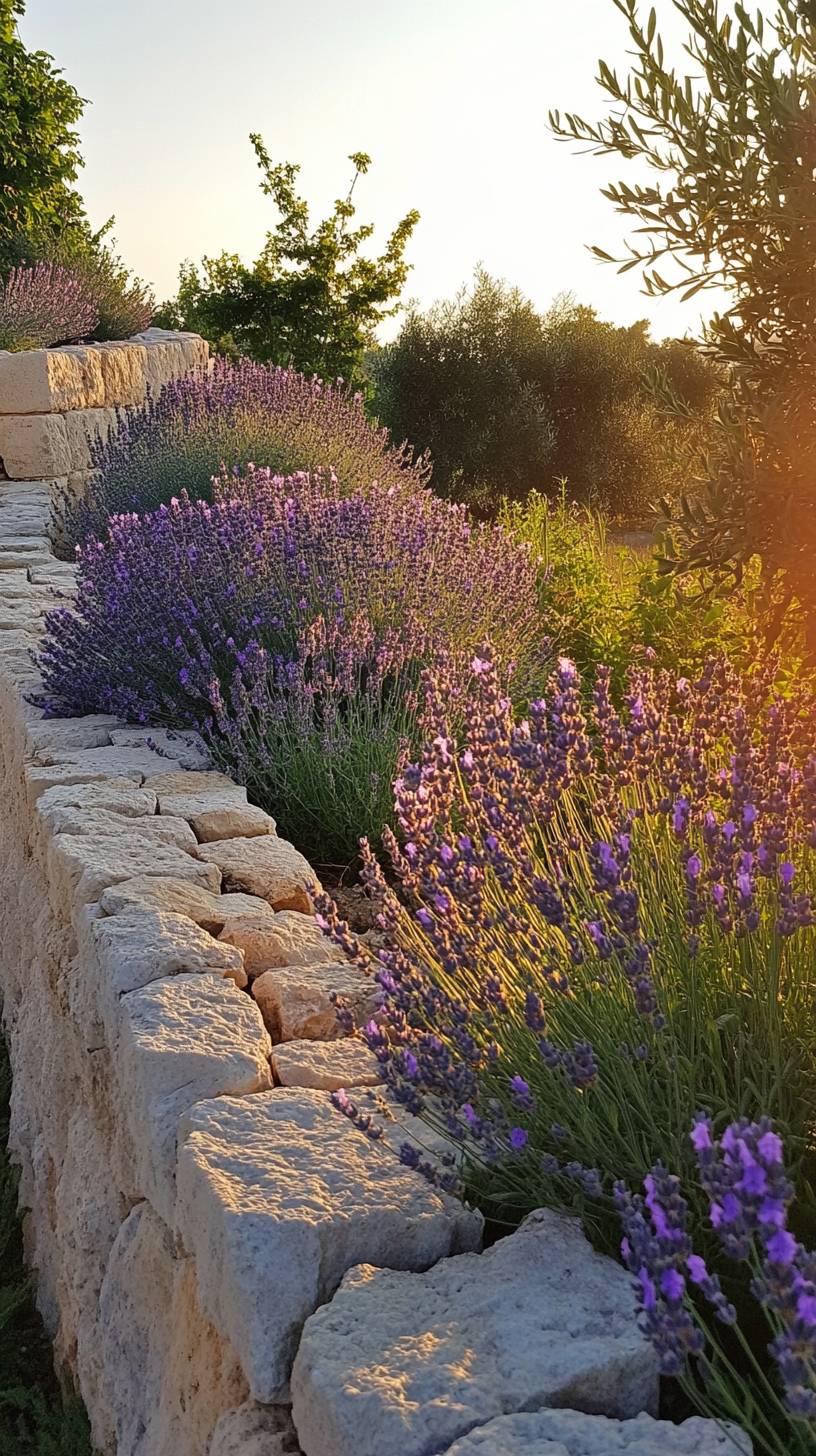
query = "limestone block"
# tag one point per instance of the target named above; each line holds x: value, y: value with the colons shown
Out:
x: 39, y: 779
x: 117, y: 796
x: 59, y: 733
x: 179, y: 896
x: 325, y: 1064
x: 89, y: 1214
x: 104, y: 824
x: 278, y: 1194
x: 130, y: 763
x: 296, y: 1001
x: 569, y: 1433
x: 133, y: 1334
x: 124, y: 372
x: 82, y: 427
x: 34, y: 446
x: 202, y: 1377
x: 255, y: 1430
x: 12, y: 560
x: 184, y: 748
x: 407, y: 1363
x: 180, y: 1041
x: 213, y: 805
x: 44, y: 381
x: 82, y: 866
x: 286, y: 938
x: 265, y: 866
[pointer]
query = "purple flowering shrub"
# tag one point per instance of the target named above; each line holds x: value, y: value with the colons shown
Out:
x: 231, y: 414
x: 692, y: 1322
x: 289, y: 622
x: 45, y: 304
x: 603, y: 923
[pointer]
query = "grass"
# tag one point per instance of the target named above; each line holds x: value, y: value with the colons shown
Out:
x: 36, y: 1418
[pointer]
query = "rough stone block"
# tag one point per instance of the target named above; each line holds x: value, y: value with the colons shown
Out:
x: 39, y: 779
x: 45, y: 381
x: 184, y: 748
x: 58, y: 734
x: 107, y: 824
x: 265, y: 866
x: 118, y: 796
x: 407, y: 1363
x: 115, y: 762
x: 296, y: 1001
x: 82, y: 427
x: 82, y: 866
x: 328, y: 1065
x: 137, y: 947
x: 569, y: 1433
x: 34, y: 446
x: 179, y: 1041
x: 255, y: 1430
x: 213, y: 805
x: 124, y: 372
x: 180, y: 897
x: 278, y: 1195
x: 286, y: 938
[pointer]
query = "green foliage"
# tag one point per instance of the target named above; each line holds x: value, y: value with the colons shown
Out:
x: 39, y: 156
x: 311, y: 299
x: 602, y: 602
x: 35, y: 1420
x: 509, y: 400
x: 730, y: 201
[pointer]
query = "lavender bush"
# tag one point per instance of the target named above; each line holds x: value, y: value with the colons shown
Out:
x: 601, y: 927
x: 43, y: 305
x: 289, y: 623
x: 235, y: 414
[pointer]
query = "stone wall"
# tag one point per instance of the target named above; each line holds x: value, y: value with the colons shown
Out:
x: 192, y: 1199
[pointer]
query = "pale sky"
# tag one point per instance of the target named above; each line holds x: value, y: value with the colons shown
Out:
x: 450, y: 98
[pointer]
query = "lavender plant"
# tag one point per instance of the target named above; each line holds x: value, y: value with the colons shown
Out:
x: 602, y: 924
x: 43, y: 305
x: 289, y: 623
x: 241, y: 414
x: 693, y: 1325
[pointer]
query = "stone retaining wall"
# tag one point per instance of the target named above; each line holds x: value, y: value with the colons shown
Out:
x: 192, y: 1200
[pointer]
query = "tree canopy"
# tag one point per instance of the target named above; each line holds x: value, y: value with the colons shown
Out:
x: 312, y: 298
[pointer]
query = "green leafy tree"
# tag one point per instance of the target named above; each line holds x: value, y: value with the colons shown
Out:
x: 461, y: 378
x: 724, y: 196
x: 312, y: 299
x: 509, y: 400
x: 39, y: 156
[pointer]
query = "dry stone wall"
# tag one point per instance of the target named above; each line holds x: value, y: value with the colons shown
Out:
x: 192, y: 1200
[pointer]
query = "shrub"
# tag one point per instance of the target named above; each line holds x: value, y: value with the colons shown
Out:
x: 125, y: 304
x: 239, y: 414
x: 46, y: 304
x: 288, y: 623
x: 508, y: 400
x: 603, y: 602
x: 603, y: 927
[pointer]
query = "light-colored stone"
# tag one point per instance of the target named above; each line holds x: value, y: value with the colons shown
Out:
x: 184, y: 748
x: 180, y: 897
x: 83, y: 427
x: 137, y: 947
x: 180, y: 1041
x: 34, y: 445
x: 43, y: 381
x: 408, y: 1363
x: 255, y: 1430
x: 130, y: 763
x: 39, y: 779
x: 213, y: 805
x: 570, y: 1433
x: 287, y: 938
x: 325, y: 1064
x: 278, y: 1195
x: 124, y: 372
x: 92, y: 731
x: 265, y: 866
x: 296, y: 1001
x: 107, y: 824
x: 117, y: 796
x: 81, y: 866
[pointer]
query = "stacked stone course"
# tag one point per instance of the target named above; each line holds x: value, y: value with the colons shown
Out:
x: 192, y: 1200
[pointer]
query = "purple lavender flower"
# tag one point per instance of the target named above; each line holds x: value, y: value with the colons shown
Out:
x: 45, y: 304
